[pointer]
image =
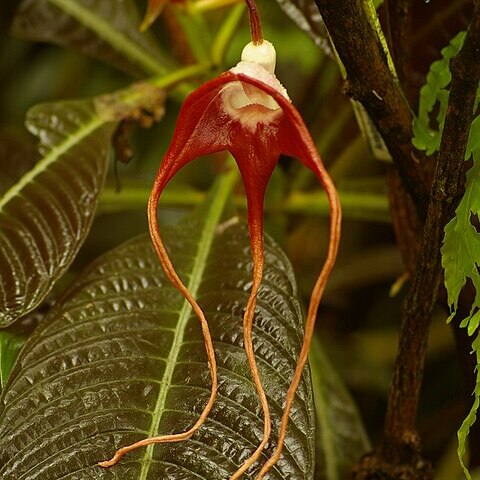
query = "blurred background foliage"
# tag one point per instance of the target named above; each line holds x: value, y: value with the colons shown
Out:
x: 359, y: 316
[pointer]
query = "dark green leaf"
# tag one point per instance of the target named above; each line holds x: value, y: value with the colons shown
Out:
x: 103, y: 29
x: 10, y: 345
x: 122, y: 358
x: 341, y: 437
x: 46, y: 215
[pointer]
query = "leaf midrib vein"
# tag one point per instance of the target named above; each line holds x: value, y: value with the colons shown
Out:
x: 112, y: 36
x: 212, y: 217
x: 54, y: 154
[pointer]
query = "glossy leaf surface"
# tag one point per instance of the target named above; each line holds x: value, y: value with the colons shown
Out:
x: 122, y: 358
x: 103, y: 29
x: 45, y: 216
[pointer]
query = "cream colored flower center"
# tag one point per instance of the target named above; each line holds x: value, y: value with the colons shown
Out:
x: 249, y: 104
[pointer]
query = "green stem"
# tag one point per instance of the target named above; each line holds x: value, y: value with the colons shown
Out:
x: 136, y: 198
x: 360, y: 206
x: 171, y: 79
x: 225, y: 33
x: 198, y: 35
x: 365, y: 206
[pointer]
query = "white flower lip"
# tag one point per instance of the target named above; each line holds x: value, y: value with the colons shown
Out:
x: 258, y: 62
x: 247, y: 103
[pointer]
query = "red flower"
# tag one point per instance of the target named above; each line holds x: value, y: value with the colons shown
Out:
x: 247, y: 112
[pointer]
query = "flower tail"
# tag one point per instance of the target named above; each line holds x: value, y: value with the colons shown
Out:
x: 170, y: 165
x: 255, y: 223
x: 312, y: 160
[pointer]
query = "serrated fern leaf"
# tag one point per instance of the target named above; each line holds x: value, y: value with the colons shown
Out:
x: 433, y: 95
x: 464, y: 430
x: 461, y: 245
x: 460, y: 260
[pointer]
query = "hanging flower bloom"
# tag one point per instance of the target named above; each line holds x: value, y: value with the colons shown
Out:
x: 247, y: 112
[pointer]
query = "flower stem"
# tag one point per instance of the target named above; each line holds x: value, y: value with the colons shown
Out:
x: 255, y: 24
x: 177, y: 76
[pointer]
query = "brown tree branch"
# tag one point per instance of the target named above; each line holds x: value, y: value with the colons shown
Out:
x: 447, y: 189
x: 399, y: 451
x: 406, y: 223
x: 399, y: 28
x: 370, y: 81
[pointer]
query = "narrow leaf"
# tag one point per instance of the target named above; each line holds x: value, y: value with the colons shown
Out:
x: 154, y: 9
x: 341, y: 436
x: 306, y: 16
x: 46, y: 215
x: 103, y: 29
x: 122, y: 357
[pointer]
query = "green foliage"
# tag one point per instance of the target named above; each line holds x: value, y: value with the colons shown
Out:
x: 342, y: 437
x: 434, y: 95
x: 103, y: 29
x: 461, y: 246
x: 461, y: 249
x: 46, y: 215
x: 96, y: 373
x: 460, y: 260
x: 122, y: 357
